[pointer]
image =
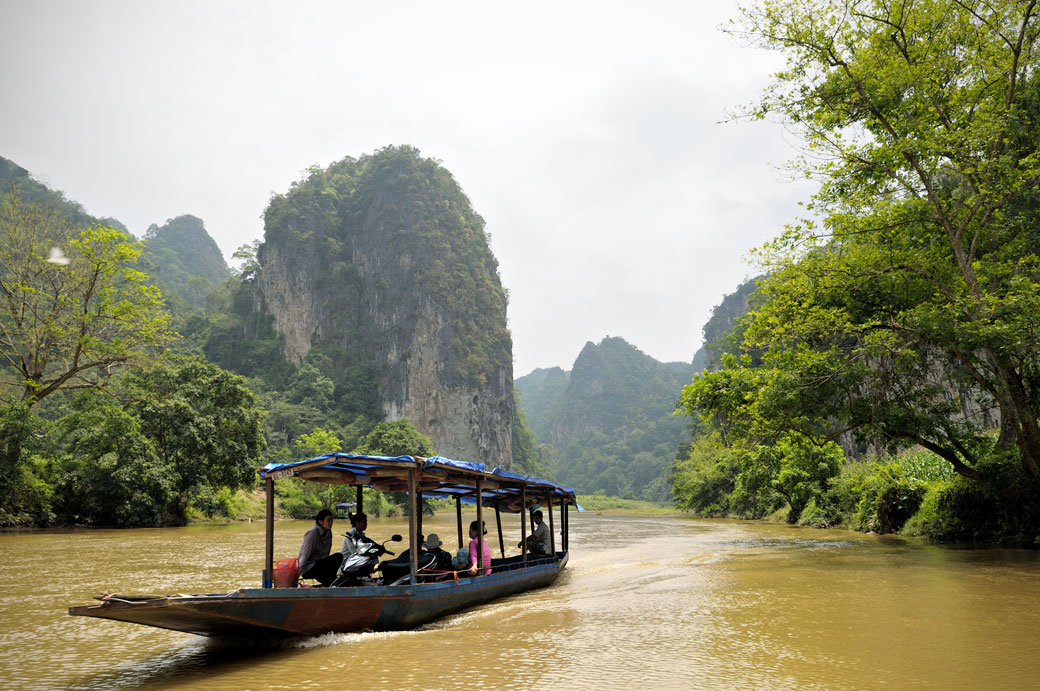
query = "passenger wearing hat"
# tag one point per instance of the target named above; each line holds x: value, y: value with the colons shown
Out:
x: 433, y: 546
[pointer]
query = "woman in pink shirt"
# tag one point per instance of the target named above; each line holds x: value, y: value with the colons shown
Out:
x: 474, y: 531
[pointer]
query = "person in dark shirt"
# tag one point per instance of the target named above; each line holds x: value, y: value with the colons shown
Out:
x: 315, y: 560
x: 433, y: 546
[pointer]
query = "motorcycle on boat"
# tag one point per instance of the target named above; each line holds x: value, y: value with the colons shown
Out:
x: 358, y: 568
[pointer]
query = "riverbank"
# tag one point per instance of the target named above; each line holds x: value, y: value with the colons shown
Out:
x: 252, y: 506
x: 601, y: 504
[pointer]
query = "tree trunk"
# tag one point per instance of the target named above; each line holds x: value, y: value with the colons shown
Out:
x: 1027, y: 432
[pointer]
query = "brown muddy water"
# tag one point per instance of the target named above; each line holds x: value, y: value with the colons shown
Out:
x: 646, y: 602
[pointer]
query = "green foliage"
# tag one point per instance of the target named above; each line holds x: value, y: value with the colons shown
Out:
x: 204, y: 422
x: 25, y: 494
x: 888, y: 499
x: 318, y: 443
x: 299, y: 499
x: 396, y: 438
x: 908, y: 316
x: 920, y: 121
x: 803, y: 470
x: 1001, y: 508
x: 704, y: 478
x: 109, y: 472
x: 66, y: 321
x: 610, y: 420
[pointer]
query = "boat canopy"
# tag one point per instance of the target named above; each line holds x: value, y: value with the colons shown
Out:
x: 436, y: 477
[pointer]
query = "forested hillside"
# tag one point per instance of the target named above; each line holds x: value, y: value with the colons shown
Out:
x: 610, y: 419
x: 17, y: 182
x: 159, y: 408
x: 185, y: 260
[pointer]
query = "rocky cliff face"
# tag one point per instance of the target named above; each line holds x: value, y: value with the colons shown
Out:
x: 377, y: 271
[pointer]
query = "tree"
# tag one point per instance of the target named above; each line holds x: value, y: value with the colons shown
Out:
x: 396, y: 438
x: 318, y: 442
x: 203, y: 421
x: 922, y: 121
x: 72, y: 303
x: 110, y: 472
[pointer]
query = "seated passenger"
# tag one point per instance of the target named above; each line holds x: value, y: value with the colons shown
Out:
x: 406, y: 553
x: 433, y: 546
x: 538, y: 542
x: 315, y: 560
x: 476, y: 538
x: 355, y: 536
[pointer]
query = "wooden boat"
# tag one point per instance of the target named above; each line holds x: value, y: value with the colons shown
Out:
x: 315, y: 611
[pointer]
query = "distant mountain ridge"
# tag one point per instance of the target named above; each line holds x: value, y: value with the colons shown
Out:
x: 609, y: 419
x: 14, y: 178
x: 185, y: 258
x: 181, y: 256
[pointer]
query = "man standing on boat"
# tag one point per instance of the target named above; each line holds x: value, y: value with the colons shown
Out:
x: 538, y: 541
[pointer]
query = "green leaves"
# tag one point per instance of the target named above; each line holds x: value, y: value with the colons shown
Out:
x: 203, y: 421
x: 396, y: 438
x: 68, y: 325
x: 911, y: 318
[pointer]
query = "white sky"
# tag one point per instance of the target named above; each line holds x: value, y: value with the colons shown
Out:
x: 585, y: 133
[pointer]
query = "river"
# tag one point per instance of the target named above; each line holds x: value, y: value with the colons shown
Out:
x: 646, y: 602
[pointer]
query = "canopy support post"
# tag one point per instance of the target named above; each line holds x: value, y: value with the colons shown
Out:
x: 360, y: 508
x: 523, y: 521
x: 480, y: 526
x: 501, y: 538
x: 566, y: 527
x: 413, y: 554
x: 552, y: 530
x: 269, y: 536
x: 418, y: 518
x: 458, y: 517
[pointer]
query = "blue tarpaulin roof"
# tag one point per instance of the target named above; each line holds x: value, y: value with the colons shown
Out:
x: 437, y: 477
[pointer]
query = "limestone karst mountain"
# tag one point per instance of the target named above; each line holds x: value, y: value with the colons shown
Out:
x: 377, y: 271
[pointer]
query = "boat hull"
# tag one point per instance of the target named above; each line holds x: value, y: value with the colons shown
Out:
x: 316, y: 611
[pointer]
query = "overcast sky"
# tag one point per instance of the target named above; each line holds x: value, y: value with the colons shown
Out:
x: 587, y: 134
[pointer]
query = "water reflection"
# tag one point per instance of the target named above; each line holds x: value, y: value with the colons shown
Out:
x: 650, y: 602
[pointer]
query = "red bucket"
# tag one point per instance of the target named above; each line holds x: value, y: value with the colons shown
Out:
x: 286, y: 573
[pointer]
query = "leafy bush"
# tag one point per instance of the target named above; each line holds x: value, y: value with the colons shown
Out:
x: 301, y: 507
x: 705, y: 479
x: 889, y: 499
x: 1001, y: 508
x: 925, y: 466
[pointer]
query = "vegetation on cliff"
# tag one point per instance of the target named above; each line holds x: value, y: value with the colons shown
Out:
x: 610, y: 420
x: 367, y: 251
x: 395, y: 202
x: 184, y: 260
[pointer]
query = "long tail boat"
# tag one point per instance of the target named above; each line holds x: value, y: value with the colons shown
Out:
x: 271, y: 611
